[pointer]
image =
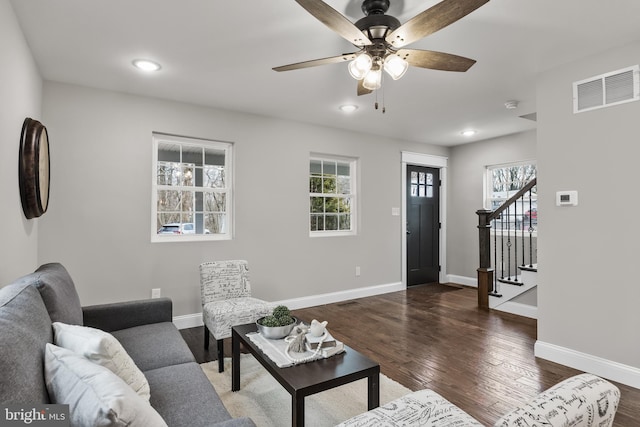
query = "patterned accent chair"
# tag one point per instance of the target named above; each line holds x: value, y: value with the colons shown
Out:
x: 227, y: 301
x: 584, y: 400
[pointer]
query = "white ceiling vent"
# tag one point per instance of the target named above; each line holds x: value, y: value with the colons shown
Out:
x: 608, y: 89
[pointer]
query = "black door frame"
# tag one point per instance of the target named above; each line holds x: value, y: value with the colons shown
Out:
x: 441, y: 163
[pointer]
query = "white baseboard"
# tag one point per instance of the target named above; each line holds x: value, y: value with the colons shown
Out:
x: 195, y: 319
x: 608, y: 369
x: 188, y: 321
x: 525, y: 310
x: 462, y: 280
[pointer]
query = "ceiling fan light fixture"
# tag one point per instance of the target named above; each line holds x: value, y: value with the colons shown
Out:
x: 373, y: 79
x: 395, y: 66
x: 360, y: 66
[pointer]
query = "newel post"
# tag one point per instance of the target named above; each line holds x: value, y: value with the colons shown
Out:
x: 485, y: 272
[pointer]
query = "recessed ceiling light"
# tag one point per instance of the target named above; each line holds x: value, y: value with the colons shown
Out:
x: 146, y: 65
x: 350, y: 108
x: 468, y: 132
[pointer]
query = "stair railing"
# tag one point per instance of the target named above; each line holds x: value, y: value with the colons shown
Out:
x: 502, y: 218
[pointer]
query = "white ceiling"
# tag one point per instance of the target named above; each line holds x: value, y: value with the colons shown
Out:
x: 220, y: 54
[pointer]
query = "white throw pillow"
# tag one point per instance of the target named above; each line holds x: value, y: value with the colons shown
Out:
x: 95, y: 395
x: 104, y: 349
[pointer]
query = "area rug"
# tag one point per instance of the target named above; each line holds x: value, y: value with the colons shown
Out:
x: 268, y: 404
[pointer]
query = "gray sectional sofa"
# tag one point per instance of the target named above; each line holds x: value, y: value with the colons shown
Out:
x: 180, y: 392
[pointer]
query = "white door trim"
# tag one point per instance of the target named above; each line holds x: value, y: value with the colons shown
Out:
x: 439, y: 162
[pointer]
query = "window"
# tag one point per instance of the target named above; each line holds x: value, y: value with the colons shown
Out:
x: 503, y: 182
x: 332, y: 196
x: 192, y: 196
x: 421, y: 184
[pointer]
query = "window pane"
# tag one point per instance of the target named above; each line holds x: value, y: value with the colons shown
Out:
x: 168, y: 173
x: 329, y: 185
x: 344, y: 222
x: 414, y: 189
x: 429, y: 191
x: 429, y: 179
x: 315, y: 185
x: 331, y: 222
x: 192, y: 155
x: 168, y: 201
x: 344, y: 184
x: 421, y: 191
x: 214, y: 157
x: 331, y: 204
x: 215, y: 223
x: 187, y: 201
x: 344, y: 169
x: 214, y: 177
x: 315, y: 167
x: 421, y: 178
x: 328, y: 168
x: 318, y: 222
x: 187, y: 176
x: 414, y: 177
x: 215, y: 202
x: 344, y: 205
x: 168, y: 152
x: 317, y: 204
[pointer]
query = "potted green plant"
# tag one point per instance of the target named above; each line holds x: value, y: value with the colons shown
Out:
x: 277, y: 325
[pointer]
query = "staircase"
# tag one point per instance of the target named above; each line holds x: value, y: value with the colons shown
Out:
x: 508, y: 251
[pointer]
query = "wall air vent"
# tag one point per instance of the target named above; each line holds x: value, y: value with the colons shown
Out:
x: 616, y: 87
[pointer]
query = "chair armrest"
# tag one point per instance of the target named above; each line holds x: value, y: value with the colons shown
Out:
x: 580, y: 401
x: 123, y: 315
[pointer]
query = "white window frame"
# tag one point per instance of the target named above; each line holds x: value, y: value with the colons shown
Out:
x: 353, y: 169
x: 227, y: 148
x: 488, y: 187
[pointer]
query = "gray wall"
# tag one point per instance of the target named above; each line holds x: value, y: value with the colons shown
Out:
x: 588, y: 295
x: 98, y: 219
x: 467, y: 167
x: 20, y: 88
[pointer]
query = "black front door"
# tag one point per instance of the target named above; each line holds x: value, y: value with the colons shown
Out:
x: 423, y: 225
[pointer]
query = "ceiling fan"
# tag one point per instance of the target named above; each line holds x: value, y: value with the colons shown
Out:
x: 381, y: 40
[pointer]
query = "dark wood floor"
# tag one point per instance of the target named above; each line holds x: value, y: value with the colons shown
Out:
x: 434, y: 336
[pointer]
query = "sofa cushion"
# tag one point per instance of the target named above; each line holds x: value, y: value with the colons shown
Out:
x: 25, y: 329
x: 183, y: 395
x: 155, y: 345
x: 102, y: 348
x: 58, y: 293
x: 95, y: 395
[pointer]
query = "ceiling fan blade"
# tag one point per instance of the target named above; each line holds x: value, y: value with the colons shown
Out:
x: 435, y: 60
x: 316, y: 62
x: 361, y: 89
x: 431, y: 20
x: 336, y: 21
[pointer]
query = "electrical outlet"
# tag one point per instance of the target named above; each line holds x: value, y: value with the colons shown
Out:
x: 155, y: 293
x: 357, y: 270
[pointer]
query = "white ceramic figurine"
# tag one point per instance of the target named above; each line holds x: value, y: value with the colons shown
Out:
x: 317, y: 328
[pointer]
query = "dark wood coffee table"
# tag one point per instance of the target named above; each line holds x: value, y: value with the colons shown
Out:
x: 308, y: 378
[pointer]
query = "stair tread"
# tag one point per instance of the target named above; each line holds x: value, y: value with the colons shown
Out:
x: 531, y: 267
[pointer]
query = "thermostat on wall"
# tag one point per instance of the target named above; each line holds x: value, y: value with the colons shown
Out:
x: 566, y: 198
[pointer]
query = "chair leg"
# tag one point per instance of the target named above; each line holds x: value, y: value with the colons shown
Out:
x: 220, y: 356
x: 206, y: 337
